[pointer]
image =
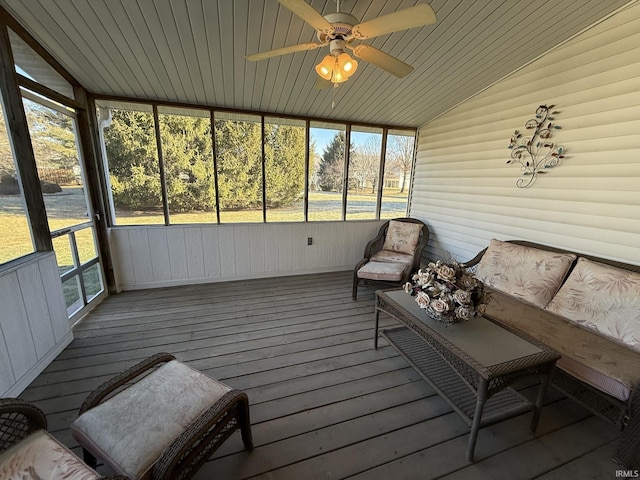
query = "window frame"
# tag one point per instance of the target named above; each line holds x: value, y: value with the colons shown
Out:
x: 104, y: 102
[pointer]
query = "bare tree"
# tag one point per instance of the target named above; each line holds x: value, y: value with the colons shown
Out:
x: 400, y: 157
x: 365, y: 163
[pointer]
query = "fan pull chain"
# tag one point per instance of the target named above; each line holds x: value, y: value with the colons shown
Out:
x: 333, y: 95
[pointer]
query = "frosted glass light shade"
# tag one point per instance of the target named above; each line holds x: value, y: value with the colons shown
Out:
x: 325, y: 67
x: 347, y: 64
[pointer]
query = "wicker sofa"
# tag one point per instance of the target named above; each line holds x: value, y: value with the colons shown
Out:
x: 588, y: 310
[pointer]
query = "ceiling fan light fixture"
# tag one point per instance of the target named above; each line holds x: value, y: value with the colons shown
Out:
x: 325, y: 67
x: 338, y: 76
x: 347, y: 64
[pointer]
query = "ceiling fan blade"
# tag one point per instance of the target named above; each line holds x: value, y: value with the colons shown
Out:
x: 306, y: 12
x: 382, y: 60
x: 322, y: 84
x: 418, y: 16
x: 283, y: 51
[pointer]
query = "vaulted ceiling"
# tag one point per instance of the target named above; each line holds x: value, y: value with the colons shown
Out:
x: 193, y: 51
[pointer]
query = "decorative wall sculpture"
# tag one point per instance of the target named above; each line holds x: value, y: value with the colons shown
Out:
x: 534, y: 152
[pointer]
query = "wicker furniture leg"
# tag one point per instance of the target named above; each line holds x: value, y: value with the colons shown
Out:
x: 203, y: 437
x: 537, y: 408
x: 628, y: 452
x: 477, y: 418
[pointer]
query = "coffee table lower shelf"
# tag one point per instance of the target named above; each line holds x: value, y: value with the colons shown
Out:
x: 506, y: 403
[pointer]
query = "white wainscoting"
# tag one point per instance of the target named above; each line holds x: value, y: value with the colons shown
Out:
x: 464, y: 190
x: 155, y: 256
x: 34, y: 327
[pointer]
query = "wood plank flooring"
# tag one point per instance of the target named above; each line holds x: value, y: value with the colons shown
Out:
x: 324, y: 404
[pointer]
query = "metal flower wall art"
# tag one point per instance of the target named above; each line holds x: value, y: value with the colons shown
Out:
x: 533, y: 150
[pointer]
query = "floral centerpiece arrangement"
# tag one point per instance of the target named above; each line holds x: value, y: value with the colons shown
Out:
x: 448, y: 292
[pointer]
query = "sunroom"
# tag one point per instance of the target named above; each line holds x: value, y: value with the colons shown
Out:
x: 160, y: 192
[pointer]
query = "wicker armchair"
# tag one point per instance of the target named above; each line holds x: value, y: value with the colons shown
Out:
x: 28, y: 452
x: 160, y: 420
x: 393, y: 254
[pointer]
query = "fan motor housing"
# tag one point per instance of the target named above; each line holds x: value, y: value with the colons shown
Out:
x: 342, y: 24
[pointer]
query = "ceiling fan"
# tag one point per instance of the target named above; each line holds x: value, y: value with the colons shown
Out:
x: 339, y: 30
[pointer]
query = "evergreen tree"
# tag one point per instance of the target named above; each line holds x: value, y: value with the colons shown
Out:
x: 239, y: 162
x: 188, y: 162
x: 133, y: 160
x: 284, y: 156
x: 331, y: 166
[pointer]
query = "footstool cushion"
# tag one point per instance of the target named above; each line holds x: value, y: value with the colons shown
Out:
x: 130, y: 431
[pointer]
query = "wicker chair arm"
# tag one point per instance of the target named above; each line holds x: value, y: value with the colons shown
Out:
x: 474, y: 261
x: 375, y: 244
x: 417, y: 255
x: 194, y: 446
x: 18, y: 419
x: 99, y: 394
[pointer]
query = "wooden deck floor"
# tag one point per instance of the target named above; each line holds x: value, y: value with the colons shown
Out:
x: 324, y: 404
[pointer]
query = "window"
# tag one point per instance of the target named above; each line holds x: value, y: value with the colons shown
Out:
x: 252, y: 168
x: 284, y: 155
x: 326, y: 170
x: 239, y: 163
x: 31, y: 65
x: 397, y: 174
x: 364, y: 172
x: 52, y: 128
x: 15, y: 230
x: 187, y: 154
x: 131, y: 151
x: 53, y: 138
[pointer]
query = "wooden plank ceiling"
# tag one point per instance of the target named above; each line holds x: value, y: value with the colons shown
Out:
x: 192, y: 51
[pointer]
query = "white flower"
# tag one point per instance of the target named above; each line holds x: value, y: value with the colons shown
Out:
x: 447, y: 292
x: 439, y: 306
x: 463, y: 313
x: 425, y: 279
x: 447, y: 273
x: 423, y: 300
x: 462, y: 297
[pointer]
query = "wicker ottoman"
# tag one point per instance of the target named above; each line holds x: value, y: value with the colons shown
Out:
x: 163, y: 426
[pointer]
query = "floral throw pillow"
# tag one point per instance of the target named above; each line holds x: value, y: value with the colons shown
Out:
x: 402, y: 237
x: 531, y: 274
x: 603, y: 298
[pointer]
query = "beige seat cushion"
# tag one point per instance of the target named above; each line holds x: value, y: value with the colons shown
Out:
x: 603, y: 298
x: 130, y: 431
x: 383, y: 271
x: 402, y: 237
x: 389, y: 256
x: 531, y: 274
x: 42, y: 457
x: 609, y: 366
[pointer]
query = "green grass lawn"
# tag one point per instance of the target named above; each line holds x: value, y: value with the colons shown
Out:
x: 68, y: 209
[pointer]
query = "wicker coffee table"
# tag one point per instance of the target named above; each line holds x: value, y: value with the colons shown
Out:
x: 470, y: 364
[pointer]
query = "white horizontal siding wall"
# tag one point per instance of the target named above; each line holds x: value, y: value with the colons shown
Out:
x: 154, y: 256
x: 34, y: 327
x: 466, y: 193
